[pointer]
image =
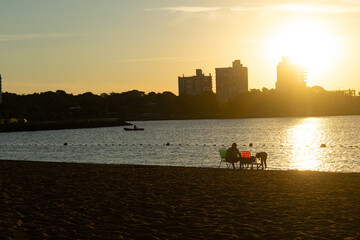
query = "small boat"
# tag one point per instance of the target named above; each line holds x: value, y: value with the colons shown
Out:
x: 133, y: 129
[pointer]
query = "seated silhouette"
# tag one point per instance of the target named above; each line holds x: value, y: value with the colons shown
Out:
x: 233, y: 155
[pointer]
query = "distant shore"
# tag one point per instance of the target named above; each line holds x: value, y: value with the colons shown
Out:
x: 96, y: 123
x: 58, y: 125
x: 87, y: 201
x: 247, y: 116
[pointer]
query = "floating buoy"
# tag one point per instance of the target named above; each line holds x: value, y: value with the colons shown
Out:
x: 323, y: 145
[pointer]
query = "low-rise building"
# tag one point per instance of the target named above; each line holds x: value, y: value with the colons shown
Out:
x: 349, y: 92
x: 195, y: 84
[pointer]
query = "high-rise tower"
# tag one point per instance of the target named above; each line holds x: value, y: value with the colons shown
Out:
x: 231, y: 81
x: 290, y: 77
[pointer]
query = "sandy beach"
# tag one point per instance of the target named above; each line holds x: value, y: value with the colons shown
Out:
x: 86, y: 201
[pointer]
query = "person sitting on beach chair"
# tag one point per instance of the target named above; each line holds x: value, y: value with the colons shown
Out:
x: 263, y: 157
x: 233, y: 155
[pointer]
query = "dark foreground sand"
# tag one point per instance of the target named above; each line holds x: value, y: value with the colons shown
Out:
x: 84, y: 201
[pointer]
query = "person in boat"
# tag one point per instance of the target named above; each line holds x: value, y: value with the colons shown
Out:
x: 233, y: 155
x: 263, y: 157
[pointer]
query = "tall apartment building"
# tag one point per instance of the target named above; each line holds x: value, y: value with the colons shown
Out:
x: 231, y: 81
x: 290, y: 77
x: 195, y: 84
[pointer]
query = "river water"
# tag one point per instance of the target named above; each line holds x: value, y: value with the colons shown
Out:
x: 291, y: 143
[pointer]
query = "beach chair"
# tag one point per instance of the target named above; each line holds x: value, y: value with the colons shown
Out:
x: 222, y: 152
x: 247, y: 159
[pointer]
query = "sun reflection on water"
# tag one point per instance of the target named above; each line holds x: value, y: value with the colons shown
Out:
x: 304, y: 139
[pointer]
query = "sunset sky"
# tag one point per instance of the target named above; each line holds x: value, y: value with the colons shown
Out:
x: 105, y: 46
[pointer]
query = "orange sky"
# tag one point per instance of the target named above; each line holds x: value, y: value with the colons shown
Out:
x: 115, y: 46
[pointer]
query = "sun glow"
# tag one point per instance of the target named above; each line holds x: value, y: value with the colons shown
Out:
x: 304, y: 138
x: 308, y: 43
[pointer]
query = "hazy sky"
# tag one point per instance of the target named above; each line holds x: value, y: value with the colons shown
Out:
x: 121, y: 45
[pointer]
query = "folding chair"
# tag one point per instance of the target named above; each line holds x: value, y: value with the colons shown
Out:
x: 222, y: 152
x: 247, y: 159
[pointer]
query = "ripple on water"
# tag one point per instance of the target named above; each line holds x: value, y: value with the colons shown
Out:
x: 292, y: 143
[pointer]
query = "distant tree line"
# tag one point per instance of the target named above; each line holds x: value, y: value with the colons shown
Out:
x: 136, y: 105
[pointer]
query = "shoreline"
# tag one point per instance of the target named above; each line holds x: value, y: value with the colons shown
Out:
x: 60, y: 125
x: 77, y: 200
x: 96, y: 123
x: 243, y: 117
x: 171, y: 166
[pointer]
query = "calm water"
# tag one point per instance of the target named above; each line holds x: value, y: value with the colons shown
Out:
x: 292, y: 143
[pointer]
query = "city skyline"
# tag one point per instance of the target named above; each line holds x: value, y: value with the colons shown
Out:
x: 117, y: 46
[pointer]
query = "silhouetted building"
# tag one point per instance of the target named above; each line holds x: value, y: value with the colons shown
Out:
x: 231, y: 81
x: 0, y: 90
x: 195, y: 84
x: 349, y: 92
x: 290, y: 77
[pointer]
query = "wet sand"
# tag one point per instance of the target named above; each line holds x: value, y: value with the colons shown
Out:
x: 89, y: 201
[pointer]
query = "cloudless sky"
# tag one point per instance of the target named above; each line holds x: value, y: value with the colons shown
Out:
x: 120, y: 45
